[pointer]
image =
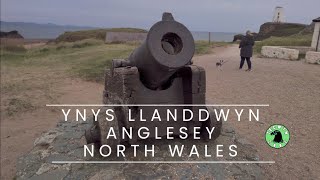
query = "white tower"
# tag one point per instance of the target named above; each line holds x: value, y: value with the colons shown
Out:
x: 278, y: 16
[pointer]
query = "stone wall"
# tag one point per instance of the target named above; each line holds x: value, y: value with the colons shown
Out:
x: 280, y: 52
x: 125, y: 37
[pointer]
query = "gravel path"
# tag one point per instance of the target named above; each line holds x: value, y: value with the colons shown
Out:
x: 292, y: 88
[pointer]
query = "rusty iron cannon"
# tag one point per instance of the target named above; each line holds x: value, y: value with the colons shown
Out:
x: 159, y: 72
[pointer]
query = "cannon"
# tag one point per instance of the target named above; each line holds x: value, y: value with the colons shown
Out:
x: 158, y: 73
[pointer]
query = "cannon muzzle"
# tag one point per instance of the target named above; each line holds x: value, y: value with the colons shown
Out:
x: 169, y: 46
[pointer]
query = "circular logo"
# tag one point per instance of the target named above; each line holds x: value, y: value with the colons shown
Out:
x: 277, y: 136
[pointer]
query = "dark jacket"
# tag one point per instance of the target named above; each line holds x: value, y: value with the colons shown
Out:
x: 246, y: 45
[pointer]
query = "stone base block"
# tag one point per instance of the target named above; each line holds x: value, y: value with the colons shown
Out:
x: 280, y: 52
x: 313, y: 57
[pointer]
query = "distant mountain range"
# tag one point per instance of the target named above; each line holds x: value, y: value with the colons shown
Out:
x: 51, y: 31
x: 40, y: 31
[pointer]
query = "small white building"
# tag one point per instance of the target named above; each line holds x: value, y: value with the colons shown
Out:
x: 278, y: 16
x: 316, y: 35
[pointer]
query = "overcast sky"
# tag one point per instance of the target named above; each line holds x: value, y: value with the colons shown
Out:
x: 197, y: 15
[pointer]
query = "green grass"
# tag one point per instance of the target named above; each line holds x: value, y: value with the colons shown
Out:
x: 17, y: 105
x: 287, y: 29
x: 279, y: 30
x: 14, y: 48
x: 99, y: 34
x: 86, y: 59
x: 203, y: 47
x: 294, y: 40
x: 34, y: 77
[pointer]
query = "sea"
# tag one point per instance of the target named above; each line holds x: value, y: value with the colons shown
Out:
x: 214, y: 36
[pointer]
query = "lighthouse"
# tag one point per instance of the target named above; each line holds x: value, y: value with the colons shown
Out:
x: 278, y: 16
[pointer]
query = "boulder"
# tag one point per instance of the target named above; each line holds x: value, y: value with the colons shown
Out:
x: 280, y: 52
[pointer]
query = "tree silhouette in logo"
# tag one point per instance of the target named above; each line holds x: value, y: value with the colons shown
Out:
x: 277, y: 136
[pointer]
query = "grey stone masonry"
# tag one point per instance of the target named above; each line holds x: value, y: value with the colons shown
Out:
x: 65, y: 142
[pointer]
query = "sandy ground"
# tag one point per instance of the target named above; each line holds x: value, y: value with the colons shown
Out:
x: 291, y: 89
x: 19, y: 132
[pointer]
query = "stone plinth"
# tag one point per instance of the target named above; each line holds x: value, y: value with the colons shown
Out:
x: 313, y: 57
x: 65, y: 143
x: 280, y: 52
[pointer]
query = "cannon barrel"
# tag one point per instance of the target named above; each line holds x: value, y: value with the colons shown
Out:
x: 169, y: 46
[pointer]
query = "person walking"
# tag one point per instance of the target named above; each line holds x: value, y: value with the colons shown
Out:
x: 246, y: 51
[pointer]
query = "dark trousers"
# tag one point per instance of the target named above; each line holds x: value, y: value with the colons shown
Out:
x: 248, y: 62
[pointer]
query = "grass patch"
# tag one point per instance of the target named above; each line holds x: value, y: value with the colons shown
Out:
x: 92, y: 70
x: 12, y: 45
x: 86, y: 59
x: 302, y: 56
x: 33, y: 76
x: 86, y: 43
x: 13, y: 48
x: 294, y: 40
x: 17, y: 105
x: 271, y: 29
x: 203, y: 47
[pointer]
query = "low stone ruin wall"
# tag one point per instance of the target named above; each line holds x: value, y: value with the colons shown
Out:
x: 313, y: 57
x: 280, y: 52
x: 125, y: 37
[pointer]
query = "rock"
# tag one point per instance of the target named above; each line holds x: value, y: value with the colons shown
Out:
x: 53, y: 174
x: 59, y: 145
x: 47, y: 138
x: 280, y: 52
x: 248, y: 146
x: 313, y: 57
x: 45, y: 168
x: 243, y: 141
x: 108, y: 174
x: 228, y: 130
